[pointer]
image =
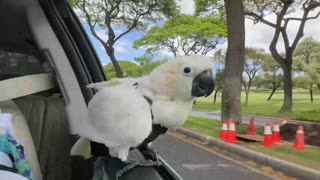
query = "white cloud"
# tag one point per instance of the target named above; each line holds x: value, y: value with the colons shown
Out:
x: 102, y: 34
x: 186, y: 6
x: 122, y: 46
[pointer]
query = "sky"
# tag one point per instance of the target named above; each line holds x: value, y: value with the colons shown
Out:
x: 257, y: 35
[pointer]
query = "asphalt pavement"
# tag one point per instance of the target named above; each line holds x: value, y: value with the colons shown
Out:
x: 260, y: 121
x: 194, y: 163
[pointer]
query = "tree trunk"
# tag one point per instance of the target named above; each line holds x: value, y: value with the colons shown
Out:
x: 215, y: 95
x: 247, y: 97
x: 116, y: 66
x: 311, y: 95
x: 247, y: 92
x: 287, y: 84
x: 232, y: 76
x: 273, y: 91
x: 318, y: 86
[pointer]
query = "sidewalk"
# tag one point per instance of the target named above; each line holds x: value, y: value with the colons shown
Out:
x: 258, y: 120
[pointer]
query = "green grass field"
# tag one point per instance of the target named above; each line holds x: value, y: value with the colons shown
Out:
x: 212, y: 128
x: 302, y: 109
x: 309, y: 157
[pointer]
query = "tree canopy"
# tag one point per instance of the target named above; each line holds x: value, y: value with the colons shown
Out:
x: 213, y: 8
x: 307, y: 51
x: 307, y: 62
x: 127, y: 15
x: 185, y: 34
x: 131, y: 69
x: 254, y: 60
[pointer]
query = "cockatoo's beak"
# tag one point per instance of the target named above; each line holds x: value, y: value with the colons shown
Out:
x: 203, y: 84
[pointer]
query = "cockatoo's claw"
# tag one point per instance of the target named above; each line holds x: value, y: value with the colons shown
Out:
x: 149, y: 153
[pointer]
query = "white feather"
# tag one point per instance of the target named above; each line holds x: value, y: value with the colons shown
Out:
x: 113, y: 82
x: 171, y: 114
x: 170, y: 89
x: 120, y: 118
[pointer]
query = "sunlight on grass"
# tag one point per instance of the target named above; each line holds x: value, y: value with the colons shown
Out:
x: 203, y: 125
x: 302, y: 109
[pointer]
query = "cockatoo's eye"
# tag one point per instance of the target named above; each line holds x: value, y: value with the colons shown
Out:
x: 187, y: 70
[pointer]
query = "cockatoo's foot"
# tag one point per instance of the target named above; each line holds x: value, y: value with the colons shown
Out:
x: 149, y: 153
x: 120, y: 153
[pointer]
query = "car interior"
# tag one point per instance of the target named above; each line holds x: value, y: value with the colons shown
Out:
x: 29, y: 91
x: 43, y: 78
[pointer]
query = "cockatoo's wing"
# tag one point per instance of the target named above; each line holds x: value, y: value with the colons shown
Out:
x: 119, y: 117
x: 113, y: 82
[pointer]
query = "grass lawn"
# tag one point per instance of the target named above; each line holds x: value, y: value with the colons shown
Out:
x: 302, y: 109
x: 309, y: 157
x: 212, y: 128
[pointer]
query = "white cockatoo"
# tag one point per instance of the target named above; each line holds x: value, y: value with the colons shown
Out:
x: 131, y: 112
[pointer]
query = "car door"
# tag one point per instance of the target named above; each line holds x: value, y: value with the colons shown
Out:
x: 88, y: 69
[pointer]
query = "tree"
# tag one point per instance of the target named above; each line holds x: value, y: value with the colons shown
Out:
x: 308, y: 50
x: 253, y: 63
x: 143, y: 60
x: 131, y: 69
x: 305, y: 82
x: 218, y: 83
x: 258, y: 82
x: 231, y: 95
x: 307, y: 58
x: 219, y: 59
x: 147, y: 68
x: 307, y: 54
x: 129, y: 15
x: 213, y: 8
x: 257, y: 10
x: 185, y: 35
x: 313, y: 71
x: 272, y: 73
x: 232, y: 77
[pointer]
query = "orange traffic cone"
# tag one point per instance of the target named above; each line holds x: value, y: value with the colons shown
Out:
x: 224, y: 130
x: 276, y: 133
x: 299, y: 142
x: 231, y: 133
x: 251, y: 130
x: 267, y: 139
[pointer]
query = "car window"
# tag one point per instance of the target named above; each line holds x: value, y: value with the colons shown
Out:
x: 13, y: 64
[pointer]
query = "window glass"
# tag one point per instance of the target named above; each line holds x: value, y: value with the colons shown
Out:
x: 14, y: 64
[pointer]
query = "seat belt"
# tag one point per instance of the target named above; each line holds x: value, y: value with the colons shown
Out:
x: 25, y: 85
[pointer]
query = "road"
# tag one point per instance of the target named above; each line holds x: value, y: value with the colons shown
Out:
x: 260, y: 121
x: 194, y: 163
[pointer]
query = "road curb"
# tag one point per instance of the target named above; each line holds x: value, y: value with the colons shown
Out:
x: 265, y: 117
x: 286, y: 167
